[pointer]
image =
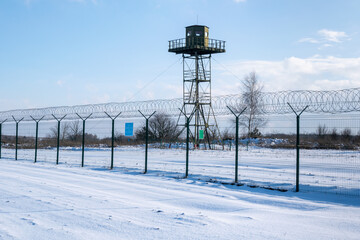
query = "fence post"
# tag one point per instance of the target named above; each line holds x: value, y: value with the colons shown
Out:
x: 83, y: 138
x: 17, y: 135
x: 112, y: 137
x: 297, y: 144
x: 1, y: 135
x: 112, y: 142
x: 58, y: 137
x: 146, y: 137
x: 236, y: 141
x: 16, y: 139
x: 36, y: 140
x: 0, y: 138
x: 187, y: 146
x: 36, y: 136
x: 83, y: 145
x: 188, y: 118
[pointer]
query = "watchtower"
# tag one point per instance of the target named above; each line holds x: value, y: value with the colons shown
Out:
x: 196, y: 49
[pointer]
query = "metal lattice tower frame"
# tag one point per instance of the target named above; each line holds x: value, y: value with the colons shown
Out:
x: 196, y: 50
x: 197, y: 93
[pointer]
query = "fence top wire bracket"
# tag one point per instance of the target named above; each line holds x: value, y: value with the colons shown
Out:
x: 84, y: 118
x: 17, y: 121
x: 190, y: 116
x: 298, y: 114
x: 37, y: 120
x: 147, y: 118
x: 236, y: 114
x: 112, y: 118
x: 59, y: 119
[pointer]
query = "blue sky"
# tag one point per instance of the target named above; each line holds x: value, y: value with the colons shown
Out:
x: 69, y: 52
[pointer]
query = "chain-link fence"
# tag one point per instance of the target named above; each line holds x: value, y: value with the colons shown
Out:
x: 329, y: 159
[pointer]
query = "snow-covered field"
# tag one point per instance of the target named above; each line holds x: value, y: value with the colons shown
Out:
x: 65, y: 201
x: 332, y: 171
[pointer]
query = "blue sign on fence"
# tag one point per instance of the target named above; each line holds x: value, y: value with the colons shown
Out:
x: 129, y: 129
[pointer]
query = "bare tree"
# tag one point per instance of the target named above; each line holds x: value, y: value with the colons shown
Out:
x: 75, y: 131
x: 161, y: 127
x: 227, y: 134
x: 334, y: 134
x: 346, y: 134
x: 64, y: 131
x: 321, y: 131
x: 253, y: 118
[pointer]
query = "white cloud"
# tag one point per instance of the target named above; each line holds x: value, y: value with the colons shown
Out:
x: 60, y: 83
x: 326, y: 38
x: 326, y: 45
x: 103, y: 98
x: 333, y: 36
x: 309, y: 40
x: 27, y: 103
x: 238, y: 1
x: 176, y: 90
x: 149, y: 95
x: 91, y: 87
x: 315, y: 73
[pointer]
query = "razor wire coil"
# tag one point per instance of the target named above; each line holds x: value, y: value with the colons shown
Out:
x: 335, y: 101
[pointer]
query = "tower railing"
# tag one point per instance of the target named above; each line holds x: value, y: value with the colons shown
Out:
x: 196, y: 42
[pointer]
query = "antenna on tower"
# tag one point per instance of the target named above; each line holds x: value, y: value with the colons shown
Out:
x: 197, y: 18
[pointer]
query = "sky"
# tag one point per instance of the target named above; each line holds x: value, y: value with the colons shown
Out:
x: 71, y: 52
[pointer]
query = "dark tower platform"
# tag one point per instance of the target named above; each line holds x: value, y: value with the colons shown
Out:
x: 197, y: 41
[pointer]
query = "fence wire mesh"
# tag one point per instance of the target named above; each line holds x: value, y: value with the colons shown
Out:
x: 329, y: 147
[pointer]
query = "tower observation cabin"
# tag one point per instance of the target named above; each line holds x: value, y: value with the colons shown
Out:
x: 196, y: 41
x: 196, y: 49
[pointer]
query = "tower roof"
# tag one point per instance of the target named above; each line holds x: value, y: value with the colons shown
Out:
x: 197, y: 26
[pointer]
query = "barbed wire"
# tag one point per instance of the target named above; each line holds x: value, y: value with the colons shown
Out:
x: 340, y: 101
x: 336, y: 101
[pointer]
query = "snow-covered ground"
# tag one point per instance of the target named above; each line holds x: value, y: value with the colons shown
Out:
x: 65, y: 201
x: 332, y: 171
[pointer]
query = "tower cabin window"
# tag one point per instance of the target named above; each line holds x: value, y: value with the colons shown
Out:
x: 198, y: 34
x: 188, y: 33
